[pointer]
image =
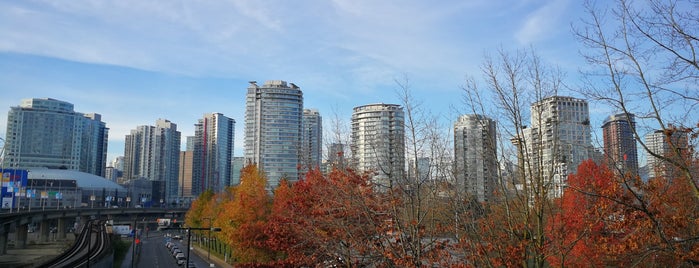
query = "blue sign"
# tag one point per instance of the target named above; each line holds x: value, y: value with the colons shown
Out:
x: 13, y: 182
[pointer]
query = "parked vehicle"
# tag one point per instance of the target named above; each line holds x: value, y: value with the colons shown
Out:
x: 181, y: 259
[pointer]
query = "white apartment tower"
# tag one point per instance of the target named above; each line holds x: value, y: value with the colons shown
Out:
x: 213, y: 152
x: 557, y: 141
x: 312, y: 149
x: 475, y: 156
x: 153, y: 152
x: 273, y: 129
x: 659, y: 143
x: 378, y: 142
x: 48, y: 133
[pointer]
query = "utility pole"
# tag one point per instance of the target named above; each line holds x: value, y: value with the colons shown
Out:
x: 133, y: 247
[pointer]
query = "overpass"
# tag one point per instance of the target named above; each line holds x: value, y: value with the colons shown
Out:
x: 20, y: 222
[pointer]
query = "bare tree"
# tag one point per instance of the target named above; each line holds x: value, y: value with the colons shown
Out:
x: 646, y: 65
x: 512, y: 229
x: 416, y: 219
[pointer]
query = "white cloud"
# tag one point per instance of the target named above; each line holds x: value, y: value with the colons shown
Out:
x: 341, y: 50
x: 541, y: 23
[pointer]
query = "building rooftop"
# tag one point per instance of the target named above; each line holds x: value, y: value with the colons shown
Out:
x: 86, y: 181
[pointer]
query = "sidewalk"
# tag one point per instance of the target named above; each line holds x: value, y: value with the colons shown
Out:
x: 202, y: 253
x: 127, y: 259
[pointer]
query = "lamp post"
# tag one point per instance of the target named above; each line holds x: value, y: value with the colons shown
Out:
x: 128, y: 201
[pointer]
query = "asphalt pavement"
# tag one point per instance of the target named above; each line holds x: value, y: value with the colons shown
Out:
x: 154, y: 254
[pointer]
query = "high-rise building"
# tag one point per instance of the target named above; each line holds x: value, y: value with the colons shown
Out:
x: 420, y: 170
x: 620, y: 144
x: 661, y: 143
x: 311, y: 149
x: 153, y: 152
x: 114, y: 169
x: 110, y: 174
x: 118, y: 163
x: 475, y: 156
x: 213, y: 152
x: 273, y: 129
x: 185, y: 170
x: 558, y: 140
x: 238, y: 164
x: 378, y: 142
x: 48, y: 133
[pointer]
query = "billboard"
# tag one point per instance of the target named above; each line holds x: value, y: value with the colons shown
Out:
x: 14, y: 184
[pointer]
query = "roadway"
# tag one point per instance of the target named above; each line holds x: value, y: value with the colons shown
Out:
x: 154, y: 254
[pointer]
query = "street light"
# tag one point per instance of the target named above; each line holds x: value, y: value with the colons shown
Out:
x: 128, y: 201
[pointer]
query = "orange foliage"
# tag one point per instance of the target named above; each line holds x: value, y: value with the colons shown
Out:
x: 329, y: 220
x: 586, y: 218
x: 608, y: 220
x: 248, y: 212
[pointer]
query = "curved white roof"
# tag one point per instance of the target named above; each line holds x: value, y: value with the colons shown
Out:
x: 84, y: 180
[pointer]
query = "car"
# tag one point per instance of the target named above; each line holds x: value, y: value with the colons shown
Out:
x: 181, y: 259
x: 176, y: 251
x: 192, y: 265
x: 179, y: 237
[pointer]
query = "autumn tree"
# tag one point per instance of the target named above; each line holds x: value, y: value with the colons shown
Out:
x: 248, y: 212
x: 333, y: 221
x: 586, y: 225
x: 602, y: 221
x: 200, y: 208
x: 642, y: 59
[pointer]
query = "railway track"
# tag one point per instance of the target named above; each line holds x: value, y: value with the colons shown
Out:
x: 90, y: 245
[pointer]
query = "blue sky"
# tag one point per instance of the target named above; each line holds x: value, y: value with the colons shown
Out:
x: 135, y: 61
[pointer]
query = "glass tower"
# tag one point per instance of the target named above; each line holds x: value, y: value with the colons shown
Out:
x: 312, y: 139
x: 273, y: 129
x: 213, y: 152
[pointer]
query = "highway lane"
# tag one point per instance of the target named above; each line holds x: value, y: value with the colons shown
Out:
x: 154, y: 254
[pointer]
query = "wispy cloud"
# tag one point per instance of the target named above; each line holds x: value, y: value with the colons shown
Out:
x: 176, y: 55
x: 543, y: 22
